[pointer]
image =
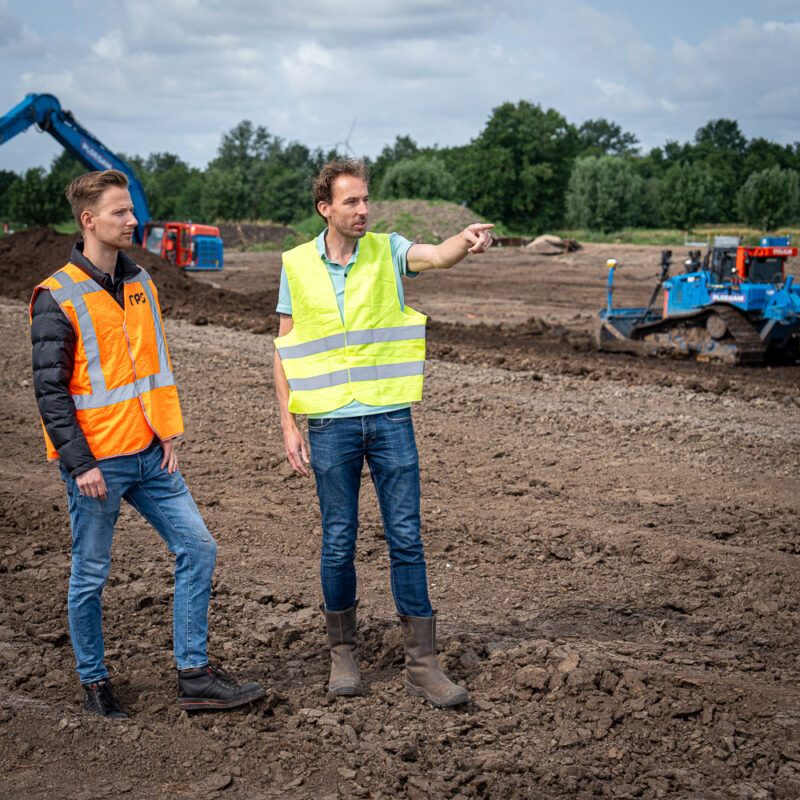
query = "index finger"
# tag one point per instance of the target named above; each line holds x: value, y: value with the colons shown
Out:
x: 480, y: 227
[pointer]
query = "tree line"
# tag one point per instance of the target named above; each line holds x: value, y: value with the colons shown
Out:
x: 529, y: 169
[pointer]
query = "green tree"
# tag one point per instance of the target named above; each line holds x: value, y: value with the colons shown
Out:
x: 226, y: 195
x: 721, y: 134
x: 688, y: 195
x: 769, y: 198
x: 424, y: 178
x: 244, y: 144
x: 286, y: 195
x: 242, y: 158
x: 604, y: 194
x: 720, y: 145
x: 38, y: 197
x: 404, y: 147
x: 651, y: 216
x: 255, y: 175
x: 190, y: 202
x: 762, y: 154
x: 517, y: 170
x: 164, y: 177
x: 63, y: 170
x: 31, y: 199
x: 601, y: 137
x: 6, y: 179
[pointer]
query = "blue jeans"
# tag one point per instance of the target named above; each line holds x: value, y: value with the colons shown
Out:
x: 164, y: 501
x: 338, y: 448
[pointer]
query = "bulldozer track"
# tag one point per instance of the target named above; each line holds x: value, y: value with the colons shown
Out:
x: 750, y: 348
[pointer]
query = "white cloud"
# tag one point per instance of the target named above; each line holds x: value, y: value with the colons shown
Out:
x: 309, y: 69
x: 745, y: 71
x: 433, y: 69
x: 110, y: 47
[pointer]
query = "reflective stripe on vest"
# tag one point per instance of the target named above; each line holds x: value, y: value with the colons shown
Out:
x: 396, y: 334
x: 122, y: 383
x: 102, y: 396
x: 343, y: 376
x: 377, y: 356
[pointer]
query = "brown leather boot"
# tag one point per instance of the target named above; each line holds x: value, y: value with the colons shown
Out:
x: 345, y: 678
x: 424, y: 676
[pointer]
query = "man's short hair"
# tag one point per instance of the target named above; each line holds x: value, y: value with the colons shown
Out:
x: 87, y: 189
x: 323, y: 184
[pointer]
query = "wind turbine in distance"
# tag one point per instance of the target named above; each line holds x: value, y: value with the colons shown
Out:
x: 346, y: 141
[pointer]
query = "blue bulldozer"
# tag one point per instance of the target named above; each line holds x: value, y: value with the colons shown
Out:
x: 738, y: 305
x: 187, y: 244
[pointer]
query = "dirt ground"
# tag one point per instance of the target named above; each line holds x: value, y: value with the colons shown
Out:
x: 612, y: 547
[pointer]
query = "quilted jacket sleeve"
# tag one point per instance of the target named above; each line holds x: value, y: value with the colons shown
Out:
x: 53, y: 339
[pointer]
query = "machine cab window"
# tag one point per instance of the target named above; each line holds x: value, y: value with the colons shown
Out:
x: 155, y: 237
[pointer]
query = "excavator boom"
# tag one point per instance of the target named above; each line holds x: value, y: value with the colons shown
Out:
x: 44, y: 111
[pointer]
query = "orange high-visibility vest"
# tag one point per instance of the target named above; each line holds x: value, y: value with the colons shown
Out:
x: 122, y: 382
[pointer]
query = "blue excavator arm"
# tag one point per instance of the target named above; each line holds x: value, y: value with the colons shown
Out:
x: 44, y: 111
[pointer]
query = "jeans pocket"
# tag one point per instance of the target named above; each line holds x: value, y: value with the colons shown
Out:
x: 399, y: 415
x: 96, y: 506
x: 320, y: 423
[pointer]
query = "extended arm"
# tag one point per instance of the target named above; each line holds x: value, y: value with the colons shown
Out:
x: 474, y: 238
x: 293, y: 441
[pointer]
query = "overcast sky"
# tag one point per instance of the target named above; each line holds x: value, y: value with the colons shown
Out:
x: 173, y: 75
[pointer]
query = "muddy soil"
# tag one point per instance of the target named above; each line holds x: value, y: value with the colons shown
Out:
x: 612, y: 546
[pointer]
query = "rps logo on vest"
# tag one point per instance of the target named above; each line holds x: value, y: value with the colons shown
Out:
x: 138, y: 297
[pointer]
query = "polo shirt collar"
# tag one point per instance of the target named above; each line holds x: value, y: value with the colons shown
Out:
x: 324, y: 257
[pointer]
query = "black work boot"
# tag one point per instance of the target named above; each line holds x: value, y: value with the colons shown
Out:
x: 209, y: 688
x: 99, y: 698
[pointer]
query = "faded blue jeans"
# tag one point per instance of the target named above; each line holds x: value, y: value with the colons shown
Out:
x: 164, y: 501
x: 338, y: 449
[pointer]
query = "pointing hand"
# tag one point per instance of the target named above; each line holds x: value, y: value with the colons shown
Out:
x: 478, y: 237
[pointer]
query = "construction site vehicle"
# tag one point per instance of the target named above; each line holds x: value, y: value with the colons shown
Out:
x: 193, y: 246
x: 736, y: 306
x: 187, y: 244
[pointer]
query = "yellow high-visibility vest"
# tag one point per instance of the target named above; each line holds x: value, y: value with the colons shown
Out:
x: 376, y: 356
x: 122, y: 382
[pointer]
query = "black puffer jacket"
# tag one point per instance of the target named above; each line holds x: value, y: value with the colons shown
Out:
x: 53, y: 339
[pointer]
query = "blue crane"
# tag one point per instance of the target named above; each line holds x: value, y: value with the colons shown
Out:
x: 44, y: 111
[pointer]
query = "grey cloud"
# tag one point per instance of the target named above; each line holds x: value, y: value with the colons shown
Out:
x: 342, y: 23
x: 434, y: 70
x: 16, y: 39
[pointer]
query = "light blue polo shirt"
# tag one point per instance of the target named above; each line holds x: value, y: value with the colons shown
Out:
x: 338, y: 273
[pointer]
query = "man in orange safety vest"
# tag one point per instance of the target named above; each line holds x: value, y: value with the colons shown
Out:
x: 110, y: 412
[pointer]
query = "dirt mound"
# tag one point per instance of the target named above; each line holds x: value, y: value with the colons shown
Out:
x: 237, y: 234
x: 549, y: 245
x: 30, y: 256
x: 427, y: 221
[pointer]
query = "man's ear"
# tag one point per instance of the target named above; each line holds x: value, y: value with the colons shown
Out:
x: 322, y: 208
x: 87, y: 219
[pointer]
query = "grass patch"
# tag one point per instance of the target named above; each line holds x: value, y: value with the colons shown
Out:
x: 70, y: 227
x: 667, y: 237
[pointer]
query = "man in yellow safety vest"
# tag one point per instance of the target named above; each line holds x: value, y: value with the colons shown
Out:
x: 110, y: 413
x: 350, y: 355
